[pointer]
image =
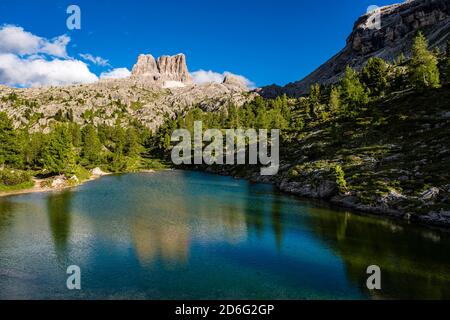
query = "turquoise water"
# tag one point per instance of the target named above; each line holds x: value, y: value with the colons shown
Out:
x: 189, y: 235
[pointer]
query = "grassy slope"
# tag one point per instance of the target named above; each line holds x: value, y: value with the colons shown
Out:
x: 22, y: 186
x: 400, y: 143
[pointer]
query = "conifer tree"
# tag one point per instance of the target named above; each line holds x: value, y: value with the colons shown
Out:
x: 132, y: 146
x: 262, y: 121
x: 59, y: 156
x: 91, y: 146
x: 423, y: 68
x: 34, y: 148
x: 334, y: 103
x: 354, y: 94
x: 10, y: 148
x: 314, y: 99
x: 75, y: 131
x: 374, y: 76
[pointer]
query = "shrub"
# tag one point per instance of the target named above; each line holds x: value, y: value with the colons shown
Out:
x: 11, y: 178
x: 340, y: 179
x: 82, y: 174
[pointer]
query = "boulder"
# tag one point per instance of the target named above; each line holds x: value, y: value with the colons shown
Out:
x: 98, y: 172
x: 325, y: 189
x: 59, y: 182
x: 429, y: 194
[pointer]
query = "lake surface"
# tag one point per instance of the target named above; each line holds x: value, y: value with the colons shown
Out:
x: 189, y: 235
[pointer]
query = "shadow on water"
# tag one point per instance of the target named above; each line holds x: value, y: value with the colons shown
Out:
x: 254, y: 217
x: 277, y: 220
x: 6, y: 213
x: 414, y: 261
x: 59, y: 215
x: 258, y: 207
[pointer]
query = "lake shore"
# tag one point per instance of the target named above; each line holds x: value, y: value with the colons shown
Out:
x: 44, y: 185
x: 41, y: 186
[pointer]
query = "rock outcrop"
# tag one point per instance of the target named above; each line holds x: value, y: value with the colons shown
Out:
x: 235, y: 81
x: 146, y: 67
x: 167, y: 69
x: 399, y: 24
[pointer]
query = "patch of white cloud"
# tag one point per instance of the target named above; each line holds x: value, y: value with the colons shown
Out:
x: 202, y: 77
x: 36, y: 71
x: 17, y: 41
x: 118, y: 73
x: 99, y: 61
x: 27, y: 60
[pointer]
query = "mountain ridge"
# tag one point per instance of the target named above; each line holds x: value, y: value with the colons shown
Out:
x: 155, y: 90
x: 399, y: 24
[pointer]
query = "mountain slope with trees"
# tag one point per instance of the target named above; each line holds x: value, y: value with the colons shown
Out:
x: 377, y: 142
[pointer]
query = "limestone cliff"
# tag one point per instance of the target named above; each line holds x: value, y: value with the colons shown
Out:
x: 165, y: 69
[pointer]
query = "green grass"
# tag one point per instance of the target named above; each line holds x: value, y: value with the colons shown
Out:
x: 18, y: 187
x: 154, y: 164
x: 82, y: 174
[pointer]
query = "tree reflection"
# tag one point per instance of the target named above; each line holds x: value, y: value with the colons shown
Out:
x: 254, y: 211
x: 277, y: 220
x: 58, y: 208
x: 6, y: 212
x: 414, y: 262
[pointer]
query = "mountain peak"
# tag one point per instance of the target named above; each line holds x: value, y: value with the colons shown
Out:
x: 164, y: 69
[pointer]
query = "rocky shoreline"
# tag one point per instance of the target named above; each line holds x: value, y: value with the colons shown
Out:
x: 326, y: 190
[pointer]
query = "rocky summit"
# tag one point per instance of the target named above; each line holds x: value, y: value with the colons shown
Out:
x: 168, y: 71
x: 399, y: 23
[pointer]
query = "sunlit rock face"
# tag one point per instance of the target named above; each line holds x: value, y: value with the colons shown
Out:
x: 164, y: 69
x: 398, y: 24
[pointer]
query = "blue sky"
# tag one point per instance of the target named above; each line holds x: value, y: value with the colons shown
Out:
x: 267, y: 41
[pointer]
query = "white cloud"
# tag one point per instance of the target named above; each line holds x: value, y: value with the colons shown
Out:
x: 118, y: 73
x: 202, y: 77
x: 16, y: 40
x: 95, y: 60
x: 27, y: 60
x: 36, y: 71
